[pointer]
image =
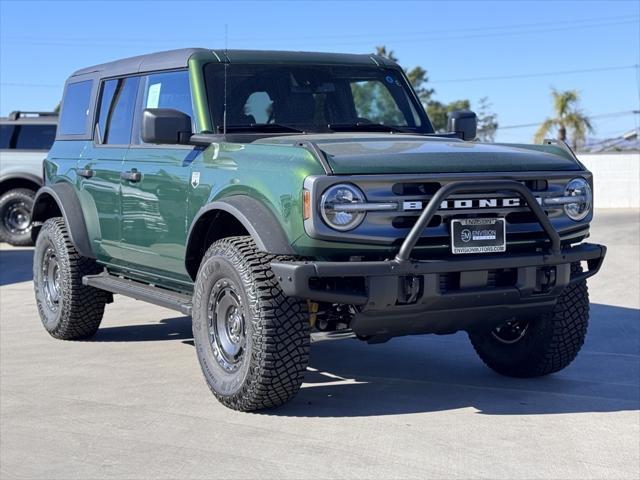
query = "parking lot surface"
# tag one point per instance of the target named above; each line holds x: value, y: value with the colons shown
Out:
x: 131, y: 403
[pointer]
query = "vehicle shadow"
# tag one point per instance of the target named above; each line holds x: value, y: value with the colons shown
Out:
x: 178, y: 328
x: 16, y: 265
x: 423, y: 374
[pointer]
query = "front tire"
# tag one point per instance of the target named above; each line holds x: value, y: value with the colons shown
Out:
x: 539, y: 346
x: 68, y: 309
x: 252, y: 342
x: 15, y: 217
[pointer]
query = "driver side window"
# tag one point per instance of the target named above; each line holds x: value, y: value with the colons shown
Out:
x: 168, y: 90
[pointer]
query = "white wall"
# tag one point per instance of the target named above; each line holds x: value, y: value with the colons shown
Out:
x: 616, y: 178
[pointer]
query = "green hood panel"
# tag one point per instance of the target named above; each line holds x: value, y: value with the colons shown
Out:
x: 376, y: 154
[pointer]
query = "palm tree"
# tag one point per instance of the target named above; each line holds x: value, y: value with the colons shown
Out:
x: 568, y: 117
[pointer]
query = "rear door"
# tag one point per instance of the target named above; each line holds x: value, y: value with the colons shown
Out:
x: 155, y: 191
x: 101, y: 165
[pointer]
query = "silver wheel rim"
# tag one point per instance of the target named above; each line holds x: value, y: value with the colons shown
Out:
x: 511, y: 332
x: 17, y: 218
x: 227, y: 326
x: 51, y: 279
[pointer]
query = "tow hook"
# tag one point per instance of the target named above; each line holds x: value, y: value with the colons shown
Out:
x: 546, y: 279
x: 409, y: 289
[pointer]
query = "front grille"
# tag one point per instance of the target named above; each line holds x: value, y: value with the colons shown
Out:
x: 424, y: 191
x: 415, y: 188
x: 412, y: 193
x: 522, y: 217
x: 537, y: 185
x: 408, y: 222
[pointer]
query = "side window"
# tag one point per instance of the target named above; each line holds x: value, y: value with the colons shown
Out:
x: 168, y: 90
x: 35, y: 137
x: 117, y: 104
x: 75, y: 109
x: 6, y: 132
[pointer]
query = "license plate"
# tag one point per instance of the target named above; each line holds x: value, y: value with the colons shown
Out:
x: 478, y: 235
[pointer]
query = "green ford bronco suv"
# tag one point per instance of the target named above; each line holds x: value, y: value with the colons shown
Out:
x: 270, y: 195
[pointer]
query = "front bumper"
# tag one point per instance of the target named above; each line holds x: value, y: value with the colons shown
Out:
x: 396, y: 297
x: 406, y: 296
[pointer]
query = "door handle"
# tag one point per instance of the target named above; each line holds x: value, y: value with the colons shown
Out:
x: 85, y: 172
x: 131, y: 175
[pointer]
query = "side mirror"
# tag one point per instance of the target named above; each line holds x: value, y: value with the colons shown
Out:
x: 166, y: 126
x: 464, y: 123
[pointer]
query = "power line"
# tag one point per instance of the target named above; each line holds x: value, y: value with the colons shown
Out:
x: 516, y: 33
x: 374, y: 38
x: 426, y: 31
x: 601, y: 115
x: 511, y: 26
x: 532, y: 75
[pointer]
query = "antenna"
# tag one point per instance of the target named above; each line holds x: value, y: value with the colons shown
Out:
x: 226, y: 64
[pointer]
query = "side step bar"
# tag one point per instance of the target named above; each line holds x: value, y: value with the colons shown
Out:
x: 140, y: 291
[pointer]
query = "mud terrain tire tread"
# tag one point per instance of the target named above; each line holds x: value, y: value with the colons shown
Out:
x: 280, y: 327
x: 560, y: 336
x: 81, y: 307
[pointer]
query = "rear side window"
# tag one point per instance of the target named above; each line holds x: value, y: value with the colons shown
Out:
x: 35, y: 137
x: 6, y: 132
x: 75, y: 109
x: 117, y: 105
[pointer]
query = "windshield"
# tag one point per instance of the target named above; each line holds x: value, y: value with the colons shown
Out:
x: 317, y: 98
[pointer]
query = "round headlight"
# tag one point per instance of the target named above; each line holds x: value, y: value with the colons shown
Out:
x: 335, y: 210
x: 579, y: 188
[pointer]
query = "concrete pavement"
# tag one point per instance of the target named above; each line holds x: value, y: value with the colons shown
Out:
x: 132, y: 403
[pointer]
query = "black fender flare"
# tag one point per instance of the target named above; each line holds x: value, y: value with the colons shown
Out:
x: 65, y: 198
x: 255, y: 217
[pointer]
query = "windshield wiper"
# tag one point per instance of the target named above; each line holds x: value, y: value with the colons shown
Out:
x: 366, y: 127
x: 261, y: 127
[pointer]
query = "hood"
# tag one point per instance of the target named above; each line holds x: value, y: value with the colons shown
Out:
x: 371, y: 154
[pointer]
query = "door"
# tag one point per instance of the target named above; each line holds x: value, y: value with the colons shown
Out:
x: 155, y: 186
x: 101, y: 165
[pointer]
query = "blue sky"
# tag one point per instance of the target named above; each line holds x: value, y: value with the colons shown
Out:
x: 459, y: 43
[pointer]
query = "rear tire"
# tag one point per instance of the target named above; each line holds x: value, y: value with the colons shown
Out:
x: 68, y: 309
x: 15, y: 216
x: 540, y: 346
x: 252, y: 341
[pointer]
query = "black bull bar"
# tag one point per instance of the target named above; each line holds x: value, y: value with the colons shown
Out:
x: 383, y: 308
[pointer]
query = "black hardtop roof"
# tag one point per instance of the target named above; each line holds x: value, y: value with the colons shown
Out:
x: 174, y: 59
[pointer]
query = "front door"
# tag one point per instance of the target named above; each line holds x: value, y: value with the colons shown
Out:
x: 155, y: 186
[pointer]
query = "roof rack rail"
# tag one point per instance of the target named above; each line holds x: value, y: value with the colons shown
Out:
x: 19, y: 114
